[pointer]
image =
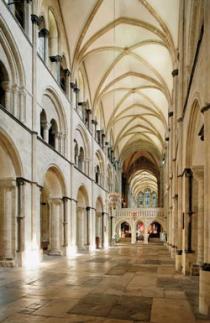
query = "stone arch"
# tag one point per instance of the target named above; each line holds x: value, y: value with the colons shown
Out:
x: 51, y: 213
x: 11, y: 150
x: 99, y: 168
x: 55, y: 111
x: 15, y: 84
x: 80, y: 136
x: 155, y: 229
x: 193, y: 140
x: 82, y: 218
x: 99, y: 223
x: 117, y: 226
x: 11, y: 197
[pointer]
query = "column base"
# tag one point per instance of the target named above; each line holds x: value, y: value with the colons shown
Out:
x: 187, y: 261
x: 204, y: 290
x: 178, y: 260
x: 54, y: 253
x: 173, y: 252
x: 195, y: 270
x: 9, y: 263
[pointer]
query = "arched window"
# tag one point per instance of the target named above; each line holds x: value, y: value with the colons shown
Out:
x: 154, y: 199
x: 43, y: 123
x: 53, y: 35
x: 141, y: 199
x: 81, y: 159
x: 147, y: 198
x: 76, y: 151
x: 53, y: 131
x: 97, y: 174
x: 3, y: 84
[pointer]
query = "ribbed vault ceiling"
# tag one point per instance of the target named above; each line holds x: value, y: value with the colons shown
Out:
x: 127, y: 49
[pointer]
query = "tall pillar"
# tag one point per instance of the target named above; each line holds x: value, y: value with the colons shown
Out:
x: 102, y: 229
x: 198, y: 173
x: 188, y: 253
x: 204, y: 288
x: 65, y: 222
x: 73, y: 227
x: 55, y: 221
x: 20, y: 216
x: 180, y: 227
x: 7, y: 219
x: 92, y: 229
x: 88, y: 225
x: 133, y: 232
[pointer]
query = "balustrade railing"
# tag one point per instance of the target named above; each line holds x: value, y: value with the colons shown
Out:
x: 140, y: 212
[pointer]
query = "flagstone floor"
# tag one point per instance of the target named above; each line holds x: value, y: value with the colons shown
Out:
x: 123, y: 284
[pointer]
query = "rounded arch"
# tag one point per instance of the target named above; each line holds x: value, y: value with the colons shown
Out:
x: 54, y: 98
x: 57, y: 176
x: 82, y: 139
x: 82, y: 196
x: 99, y: 204
x: 9, y: 156
x: 193, y: 142
x: 15, y: 65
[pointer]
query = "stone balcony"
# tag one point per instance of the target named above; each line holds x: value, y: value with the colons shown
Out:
x: 135, y: 215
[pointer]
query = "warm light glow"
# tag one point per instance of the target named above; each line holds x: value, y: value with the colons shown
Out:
x: 31, y: 258
x: 71, y: 251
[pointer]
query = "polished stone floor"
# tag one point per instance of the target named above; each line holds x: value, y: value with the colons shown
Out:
x: 123, y: 284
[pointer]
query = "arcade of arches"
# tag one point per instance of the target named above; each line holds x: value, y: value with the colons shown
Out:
x: 105, y: 134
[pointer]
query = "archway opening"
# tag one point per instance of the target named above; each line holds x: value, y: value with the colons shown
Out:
x: 52, y: 217
x: 11, y: 231
x: 125, y: 232
x: 154, y: 230
x: 82, y: 219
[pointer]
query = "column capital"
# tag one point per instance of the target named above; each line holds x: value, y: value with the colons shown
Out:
x: 55, y: 200
x: 8, y: 182
x: 35, y: 19
x: 56, y: 58
x: 43, y: 32
x: 205, y: 108
x: 175, y: 72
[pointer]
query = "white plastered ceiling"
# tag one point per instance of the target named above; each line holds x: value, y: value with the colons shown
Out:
x: 128, y: 50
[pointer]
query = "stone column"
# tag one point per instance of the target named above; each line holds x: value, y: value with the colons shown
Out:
x: 204, y: 288
x: 198, y: 173
x: 102, y: 229
x: 20, y: 216
x: 67, y: 82
x: 188, y: 255
x: 57, y: 141
x: 88, y: 225
x: 7, y: 220
x: 46, y: 132
x: 6, y: 87
x: 73, y: 226
x: 180, y: 227
x: 14, y: 109
x: 55, y: 220
x: 92, y: 229
x: 133, y: 232
x: 65, y: 221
